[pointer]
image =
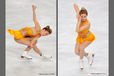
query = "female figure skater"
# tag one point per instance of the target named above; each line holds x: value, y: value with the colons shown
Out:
x: 28, y: 36
x: 85, y: 37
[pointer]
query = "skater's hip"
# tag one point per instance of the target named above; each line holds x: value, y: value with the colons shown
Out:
x: 90, y: 37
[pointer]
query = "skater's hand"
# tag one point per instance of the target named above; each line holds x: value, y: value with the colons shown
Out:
x: 75, y: 5
x: 34, y: 7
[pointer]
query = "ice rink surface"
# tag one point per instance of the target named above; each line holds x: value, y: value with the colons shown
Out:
x: 18, y: 15
x: 68, y: 64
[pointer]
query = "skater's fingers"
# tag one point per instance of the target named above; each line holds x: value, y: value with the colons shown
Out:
x: 75, y: 5
x: 34, y: 7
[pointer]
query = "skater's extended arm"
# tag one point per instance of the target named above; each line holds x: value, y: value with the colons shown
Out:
x: 37, y: 25
x: 77, y: 10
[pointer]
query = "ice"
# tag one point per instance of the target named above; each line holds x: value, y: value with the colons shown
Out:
x: 18, y: 15
x: 68, y: 62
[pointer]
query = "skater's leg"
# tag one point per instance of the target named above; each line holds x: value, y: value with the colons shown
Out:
x: 28, y: 48
x: 24, y: 42
x: 82, y: 47
x: 25, y: 53
x: 85, y: 54
x: 37, y: 50
x: 82, y: 53
x: 77, y: 51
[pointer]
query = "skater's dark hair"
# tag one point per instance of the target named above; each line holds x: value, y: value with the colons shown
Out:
x: 83, y: 11
x: 47, y: 28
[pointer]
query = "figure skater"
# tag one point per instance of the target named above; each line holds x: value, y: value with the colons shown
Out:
x: 85, y: 37
x: 28, y: 36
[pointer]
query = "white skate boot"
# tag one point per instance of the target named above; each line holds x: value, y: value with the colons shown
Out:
x: 90, y: 58
x: 25, y: 55
x: 46, y: 56
x: 81, y: 64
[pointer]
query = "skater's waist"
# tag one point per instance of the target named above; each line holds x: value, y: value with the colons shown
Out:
x: 26, y: 31
x: 84, y: 34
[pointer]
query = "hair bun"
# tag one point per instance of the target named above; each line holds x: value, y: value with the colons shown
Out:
x: 48, y: 26
x: 83, y: 8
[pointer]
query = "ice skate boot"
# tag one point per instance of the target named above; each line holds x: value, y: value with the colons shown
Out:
x: 81, y: 64
x: 25, y: 55
x: 46, y: 56
x: 90, y: 58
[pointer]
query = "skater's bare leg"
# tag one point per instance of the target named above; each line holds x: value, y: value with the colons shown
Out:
x: 36, y: 49
x: 24, y: 42
x: 28, y: 48
x: 82, y: 47
x: 77, y: 51
x: 27, y: 43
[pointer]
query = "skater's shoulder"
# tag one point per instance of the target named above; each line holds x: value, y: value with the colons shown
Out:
x: 86, y: 22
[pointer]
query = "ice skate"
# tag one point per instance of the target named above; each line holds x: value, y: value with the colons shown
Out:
x: 46, y: 56
x: 25, y: 55
x: 90, y: 58
x: 81, y: 64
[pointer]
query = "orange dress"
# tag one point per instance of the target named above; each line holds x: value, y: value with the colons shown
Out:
x: 18, y: 35
x: 85, y: 35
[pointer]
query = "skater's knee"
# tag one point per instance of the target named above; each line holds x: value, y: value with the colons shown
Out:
x: 81, y: 49
x: 77, y: 52
x: 29, y: 47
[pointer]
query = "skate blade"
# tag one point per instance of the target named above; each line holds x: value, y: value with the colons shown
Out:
x: 48, y: 57
x: 51, y: 57
x: 81, y: 68
x: 92, y: 60
x: 25, y: 57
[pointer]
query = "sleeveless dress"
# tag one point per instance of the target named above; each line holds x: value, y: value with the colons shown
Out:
x: 27, y: 32
x: 85, y: 35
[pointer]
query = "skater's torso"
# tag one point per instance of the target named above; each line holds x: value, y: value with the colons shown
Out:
x: 30, y: 32
x: 84, y: 33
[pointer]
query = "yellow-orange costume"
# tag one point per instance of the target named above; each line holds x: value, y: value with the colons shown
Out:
x: 19, y: 35
x: 85, y: 35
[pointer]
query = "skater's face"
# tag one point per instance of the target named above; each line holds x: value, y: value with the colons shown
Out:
x: 44, y: 33
x: 83, y: 17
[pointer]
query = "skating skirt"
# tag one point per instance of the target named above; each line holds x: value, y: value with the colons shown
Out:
x: 17, y: 34
x: 90, y: 38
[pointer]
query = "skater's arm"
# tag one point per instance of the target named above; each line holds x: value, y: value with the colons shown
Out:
x: 37, y: 25
x: 77, y: 10
x: 78, y: 25
x: 85, y: 27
